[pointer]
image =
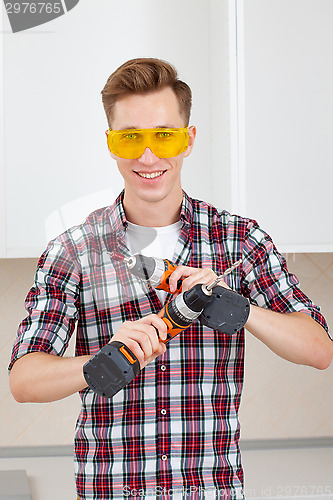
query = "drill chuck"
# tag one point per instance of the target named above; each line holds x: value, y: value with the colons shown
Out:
x: 153, y: 270
x: 197, y: 297
x: 147, y: 268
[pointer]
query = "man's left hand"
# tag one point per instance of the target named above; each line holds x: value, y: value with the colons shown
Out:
x: 191, y: 276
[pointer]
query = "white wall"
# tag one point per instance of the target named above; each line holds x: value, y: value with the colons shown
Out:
x: 54, y: 121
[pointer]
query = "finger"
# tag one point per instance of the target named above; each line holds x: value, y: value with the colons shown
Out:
x: 202, y: 276
x: 153, y: 336
x: 144, y: 341
x: 179, y: 273
x: 140, y: 338
x: 190, y: 282
x: 152, y: 325
x: 146, y: 334
x: 158, y: 324
x: 149, y: 333
x: 191, y: 276
x: 137, y: 342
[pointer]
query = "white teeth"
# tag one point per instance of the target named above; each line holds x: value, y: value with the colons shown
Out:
x: 150, y: 176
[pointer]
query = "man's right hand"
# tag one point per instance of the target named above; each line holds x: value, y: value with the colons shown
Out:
x: 42, y: 377
x: 144, y: 337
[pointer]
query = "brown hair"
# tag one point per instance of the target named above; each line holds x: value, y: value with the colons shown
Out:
x: 140, y: 76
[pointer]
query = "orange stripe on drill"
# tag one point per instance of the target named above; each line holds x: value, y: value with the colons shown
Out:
x: 165, y: 277
x: 173, y: 328
x: 127, y: 355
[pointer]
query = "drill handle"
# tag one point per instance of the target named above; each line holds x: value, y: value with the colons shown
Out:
x: 182, y: 310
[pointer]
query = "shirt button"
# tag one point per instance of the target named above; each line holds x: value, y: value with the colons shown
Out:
x: 163, y: 411
x: 163, y: 368
x: 164, y: 458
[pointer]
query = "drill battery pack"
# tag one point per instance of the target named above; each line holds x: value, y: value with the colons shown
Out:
x: 111, y: 369
x: 227, y: 311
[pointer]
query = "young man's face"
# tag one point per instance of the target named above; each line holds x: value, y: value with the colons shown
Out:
x: 153, y: 110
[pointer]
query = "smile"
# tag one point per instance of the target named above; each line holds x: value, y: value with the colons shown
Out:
x: 153, y: 175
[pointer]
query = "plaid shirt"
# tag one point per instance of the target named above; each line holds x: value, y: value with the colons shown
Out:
x: 173, y: 432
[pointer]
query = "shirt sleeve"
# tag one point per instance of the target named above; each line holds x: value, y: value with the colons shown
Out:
x: 268, y: 283
x: 51, y: 304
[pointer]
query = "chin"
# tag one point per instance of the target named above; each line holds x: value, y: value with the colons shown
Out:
x: 153, y: 196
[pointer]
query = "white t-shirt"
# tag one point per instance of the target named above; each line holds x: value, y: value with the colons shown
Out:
x: 153, y: 242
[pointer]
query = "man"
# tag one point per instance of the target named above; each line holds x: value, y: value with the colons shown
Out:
x: 173, y: 431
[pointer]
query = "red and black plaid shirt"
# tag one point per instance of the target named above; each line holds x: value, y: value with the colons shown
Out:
x: 173, y: 432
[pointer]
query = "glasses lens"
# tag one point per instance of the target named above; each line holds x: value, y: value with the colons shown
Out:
x: 169, y: 143
x: 126, y: 144
x: 164, y: 143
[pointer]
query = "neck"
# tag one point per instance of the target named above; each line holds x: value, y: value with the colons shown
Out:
x: 153, y: 213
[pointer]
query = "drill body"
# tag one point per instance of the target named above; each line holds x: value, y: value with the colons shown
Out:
x: 181, y: 311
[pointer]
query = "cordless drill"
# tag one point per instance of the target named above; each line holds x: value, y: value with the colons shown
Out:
x: 114, y: 366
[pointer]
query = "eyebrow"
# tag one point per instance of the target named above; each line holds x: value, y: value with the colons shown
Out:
x: 138, y: 128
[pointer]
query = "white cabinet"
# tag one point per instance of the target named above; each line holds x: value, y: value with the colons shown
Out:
x: 285, y: 97
x: 261, y: 76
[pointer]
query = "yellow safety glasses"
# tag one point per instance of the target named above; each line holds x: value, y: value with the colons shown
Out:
x: 163, y: 142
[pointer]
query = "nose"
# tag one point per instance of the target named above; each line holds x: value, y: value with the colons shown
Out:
x: 148, y: 157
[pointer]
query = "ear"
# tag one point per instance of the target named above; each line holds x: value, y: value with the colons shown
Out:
x: 192, y: 132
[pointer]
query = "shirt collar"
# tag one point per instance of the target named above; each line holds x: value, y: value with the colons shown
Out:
x: 117, y: 214
x: 186, y: 212
x: 119, y: 221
